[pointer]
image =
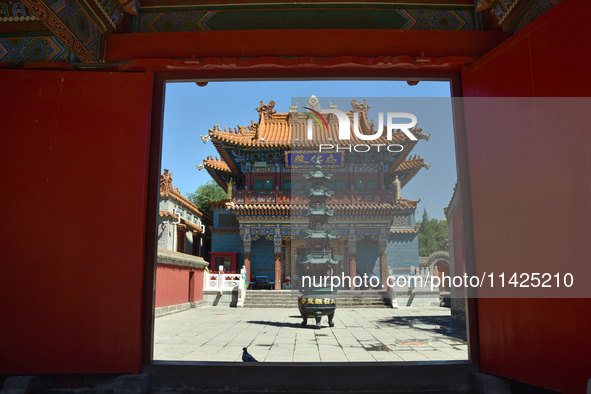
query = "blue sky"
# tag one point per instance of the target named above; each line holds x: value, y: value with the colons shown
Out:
x: 191, y: 110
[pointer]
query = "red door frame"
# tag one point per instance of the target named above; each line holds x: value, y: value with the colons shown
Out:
x: 155, y: 157
x: 360, y: 55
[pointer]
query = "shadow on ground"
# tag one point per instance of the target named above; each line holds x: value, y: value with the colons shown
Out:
x: 276, y: 324
x: 444, y: 325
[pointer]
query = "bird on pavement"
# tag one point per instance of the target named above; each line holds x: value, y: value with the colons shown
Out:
x: 247, y: 358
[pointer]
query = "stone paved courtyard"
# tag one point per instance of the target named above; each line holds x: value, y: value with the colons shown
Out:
x: 219, y: 334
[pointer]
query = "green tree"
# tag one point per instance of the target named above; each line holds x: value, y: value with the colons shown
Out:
x: 432, y: 235
x: 205, y: 193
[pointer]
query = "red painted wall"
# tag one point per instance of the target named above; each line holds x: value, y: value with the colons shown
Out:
x: 530, y: 197
x: 172, y: 285
x: 74, y: 158
x: 197, y: 283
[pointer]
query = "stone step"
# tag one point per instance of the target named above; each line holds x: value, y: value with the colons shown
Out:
x: 288, y: 302
x: 348, y: 295
x: 291, y: 302
x: 344, y: 299
x: 295, y: 297
x: 338, y: 292
x: 380, y: 306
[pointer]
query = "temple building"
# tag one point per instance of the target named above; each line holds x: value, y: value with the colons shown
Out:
x: 183, y: 247
x: 182, y: 227
x: 261, y: 166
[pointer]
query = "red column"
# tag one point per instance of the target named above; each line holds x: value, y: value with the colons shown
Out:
x: 248, y: 181
x: 352, y: 269
x: 277, y: 271
x: 247, y: 266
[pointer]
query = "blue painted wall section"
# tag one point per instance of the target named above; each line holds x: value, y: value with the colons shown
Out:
x: 227, y: 242
x: 262, y: 258
x: 403, y: 249
x: 368, y: 256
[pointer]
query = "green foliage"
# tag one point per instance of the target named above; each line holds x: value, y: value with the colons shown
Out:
x: 432, y: 235
x: 205, y: 193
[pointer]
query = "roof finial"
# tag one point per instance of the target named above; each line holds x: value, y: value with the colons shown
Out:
x: 166, y: 182
x: 360, y: 107
x: 253, y: 127
x: 267, y: 110
x: 397, y: 185
x: 313, y: 103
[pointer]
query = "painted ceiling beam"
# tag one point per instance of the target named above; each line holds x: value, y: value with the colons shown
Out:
x: 82, y: 26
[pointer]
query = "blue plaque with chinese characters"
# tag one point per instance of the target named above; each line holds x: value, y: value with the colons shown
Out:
x: 308, y: 160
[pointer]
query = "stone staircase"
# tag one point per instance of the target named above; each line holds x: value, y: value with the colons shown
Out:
x: 363, y: 299
x: 288, y: 299
x: 270, y: 299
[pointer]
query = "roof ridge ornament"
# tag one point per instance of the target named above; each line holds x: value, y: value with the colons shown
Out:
x: 360, y: 107
x: 254, y: 127
x: 396, y: 184
x: 267, y: 110
x: 314, y: 103
x: 166, y: 182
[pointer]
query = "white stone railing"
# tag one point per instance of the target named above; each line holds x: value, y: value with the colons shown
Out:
x: 406, y: 287
x: 222, y: 281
